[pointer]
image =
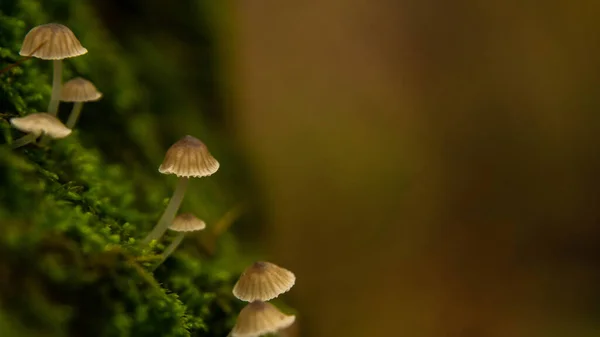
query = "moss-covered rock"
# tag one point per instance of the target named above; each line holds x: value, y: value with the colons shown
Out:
x: 70, y: 264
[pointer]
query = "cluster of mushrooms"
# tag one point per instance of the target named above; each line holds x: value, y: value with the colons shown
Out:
x: 54, y: 42
x: 187, y: 158
x: 259, y: 283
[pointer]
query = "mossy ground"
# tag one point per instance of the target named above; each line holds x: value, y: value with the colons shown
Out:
x: 70, y: 219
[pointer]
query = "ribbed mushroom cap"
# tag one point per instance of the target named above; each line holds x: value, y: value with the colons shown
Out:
x: 41, y: 123
x: 187, y: 222
x: 57, y: 42
x: 259, y: 318
x: 263, y: 281
x: 189, y: 157
x: 79, y: 90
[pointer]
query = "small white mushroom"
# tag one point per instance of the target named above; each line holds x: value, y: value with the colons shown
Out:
x: 183, y: 223
x: 263, y: 281
x: 37, y: 124
x: 188, y: 157
x: 260, y: 318
x: 52, y: 41
x: 78, y: 91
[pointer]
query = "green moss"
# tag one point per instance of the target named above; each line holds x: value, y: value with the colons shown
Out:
x: 69, y: 220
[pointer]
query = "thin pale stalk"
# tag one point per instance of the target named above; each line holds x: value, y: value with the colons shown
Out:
x: 169, y: 214
x: 74, y: 116
x: 23, y: 141
x: 55, y: 97
x: 172, y: 247
x: 56, y: 88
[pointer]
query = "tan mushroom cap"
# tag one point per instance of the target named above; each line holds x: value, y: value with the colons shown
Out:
x: 51, y: 41
x: 79, y: 90
x: 263, y: 281
x: 187, y: 222
x: 41, y: 123
x: 259, y: 318
x: 189, y: 157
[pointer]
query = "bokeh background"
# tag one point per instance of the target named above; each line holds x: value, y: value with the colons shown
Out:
x: 430, y: 167
x: 426, y: 168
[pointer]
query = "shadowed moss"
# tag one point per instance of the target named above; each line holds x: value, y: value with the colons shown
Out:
x: 69, y: 221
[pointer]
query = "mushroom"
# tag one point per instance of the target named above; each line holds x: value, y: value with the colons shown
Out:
x: 260, y: 318
x: 52, y: 41
x: 183, y: 223
x: 35, y: 125
x: 263, y: 281
x: 188, y: 157
x: 78, y: 91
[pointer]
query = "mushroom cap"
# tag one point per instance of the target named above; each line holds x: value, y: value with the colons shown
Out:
x: 187, y: 222
x: 259, y: 318
x: 41, y: 123
x: 79, y: 90
x: 263, y: 281
x: 189, y: 157
x: 51, y: 41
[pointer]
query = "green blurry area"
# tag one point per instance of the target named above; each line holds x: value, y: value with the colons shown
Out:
x: 70, y: 214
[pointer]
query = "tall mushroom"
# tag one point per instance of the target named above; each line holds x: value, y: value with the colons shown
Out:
x: 183, y: 223
x: 52, y: 41
x: 188, y: 157
x: 78, y: 91
x: 37, y: 124
x: 260, y: 318
x: 263, y: 281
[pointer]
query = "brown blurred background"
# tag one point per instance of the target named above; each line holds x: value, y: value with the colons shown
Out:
x: 430, y: 168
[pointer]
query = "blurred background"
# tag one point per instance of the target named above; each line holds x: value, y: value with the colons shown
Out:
x: 426, y: 168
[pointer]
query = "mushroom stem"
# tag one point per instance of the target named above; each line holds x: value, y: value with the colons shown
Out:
x: 171, y: 248
x: 169, y: 213
x: 74, y: 116
x: 23, y: 141
x: 173, y: 245
x: 56, y: 86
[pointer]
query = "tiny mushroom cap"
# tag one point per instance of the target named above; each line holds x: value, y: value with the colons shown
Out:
x: 259, y: 318
x: 41, y: 123
x: 187, y: 222
x: 79, y: 90
x: 51, y: 41
x: 263, y: 281
x: 189, y: 157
